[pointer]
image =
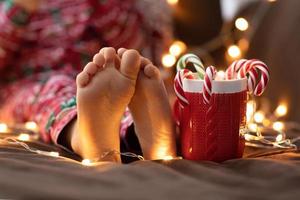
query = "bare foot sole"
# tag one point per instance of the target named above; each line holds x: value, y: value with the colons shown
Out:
x: 151, y: 112
x: 104, y: 89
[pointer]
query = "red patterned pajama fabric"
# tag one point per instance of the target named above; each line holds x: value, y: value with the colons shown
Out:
x: 42, y: 52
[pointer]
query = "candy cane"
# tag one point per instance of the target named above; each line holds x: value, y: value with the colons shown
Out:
x: 207, y: 86
x: 194, y: 60
x: 249, y: 68
x: 182, y: 74
x: 232, y: 70
x: 264, y: 79
x: 253, y: 76
x: 245, y: 68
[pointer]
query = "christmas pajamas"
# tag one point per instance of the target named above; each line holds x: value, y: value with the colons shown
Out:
x: 41, y: 53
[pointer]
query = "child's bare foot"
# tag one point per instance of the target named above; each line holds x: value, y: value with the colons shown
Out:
x: 151, y: 112
x: 104, y: 89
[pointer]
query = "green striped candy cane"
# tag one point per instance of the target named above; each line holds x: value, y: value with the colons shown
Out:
x: 195, y: 61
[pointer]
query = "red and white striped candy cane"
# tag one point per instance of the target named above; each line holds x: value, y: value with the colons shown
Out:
x: 239, y: 69
x: 264, y: 79
x: 252, y: 79
x: 182, y: 74
x: 255, y: 65
x: 232, y: 70
x: 210, y: 74
x: 245, y: 68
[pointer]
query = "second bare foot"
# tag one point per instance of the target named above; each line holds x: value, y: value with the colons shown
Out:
x: 151, y: 113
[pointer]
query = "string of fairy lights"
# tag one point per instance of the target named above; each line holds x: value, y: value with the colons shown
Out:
x: 22, y: 133
x: 264, y: 129
x: 225, y: 38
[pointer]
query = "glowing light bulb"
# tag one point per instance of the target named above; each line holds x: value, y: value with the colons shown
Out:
x: 3, y: 128
x: 271, y: 0
x: 54, y: 154
x: 279, y: 138
x: 278, y: 126
x: 281, y: 110
x: 177, y: 48
x: 259, y: 117
x: 162, y: 152
x: 252, y: 127
x: 168, y: 60
x: 31, y: 126
x: 234, y: 51
x: 168, y: 158
x: 250, y: 110
x: 249, y: 137
x: 86, y: 162
x: 24, y: 137
x: 172, y: 2
x: 241, y: 24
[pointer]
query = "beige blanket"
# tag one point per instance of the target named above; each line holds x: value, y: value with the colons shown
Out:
x: 260, y: 175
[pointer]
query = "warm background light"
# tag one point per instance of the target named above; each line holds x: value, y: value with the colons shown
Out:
x: 168, y: 60
x: 24, y: 137
x: 259, y: 117
x: 252, y: 127
x: 172, y: 2
x: 234, y: 51
x: 86, y: 162
x: 279, y: 138
x: 281, y: 110
x: 168, y: 158
x: 241, y: 24
x: 31, y: 126
x: 250, y: 110
x: 278, y: 126
x: 3, y: 128
x: 177, y: 48
x: 249, y: 137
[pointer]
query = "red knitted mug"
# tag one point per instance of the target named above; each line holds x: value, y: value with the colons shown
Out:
x: 213, y: 131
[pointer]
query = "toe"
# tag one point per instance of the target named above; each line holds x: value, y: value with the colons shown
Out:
x: 82, y: 79
x: 130, y: 64
x: 144, y: 61
x: 116, y: 58
x: 151, y: 71
x: 99, y: 60
x: 106, y: 49
x: 109, y: 56
x: 91, y: 69
x: 121, y: 52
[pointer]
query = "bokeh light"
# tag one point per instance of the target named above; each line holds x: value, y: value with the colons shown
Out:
x: 172, y: 2
x: 3, y: 128
x: 241, y: 24
x: 281, y: 110
x: 24, y: 137
x: 278, y: 126
x: 259, y: 117
x: 168, y: 60
x: 177, y: 48
x: 234, y: 51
